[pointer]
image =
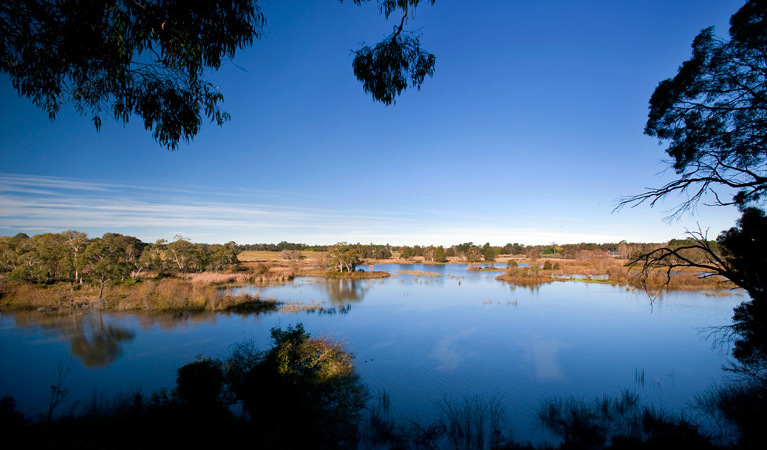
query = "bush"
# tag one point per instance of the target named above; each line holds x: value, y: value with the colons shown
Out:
x: 302, y: 393
x: 200, y: 383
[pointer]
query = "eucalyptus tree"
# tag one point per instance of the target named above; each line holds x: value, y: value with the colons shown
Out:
x: 107, y: 260
x: 150, y: 58
x: 713, y: 117
x: 439, y: 255
x: 184, y: 256
x: 223, y: 257
x: 76, y: 241
x: 428, y: 253
x: 488, y: 252
x: 343, y: 257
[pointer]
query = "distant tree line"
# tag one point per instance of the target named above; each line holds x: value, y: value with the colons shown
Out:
x: 71, y: 256
x: 343, y: 257
x: 470, y: 252
x: 370, y: 251
x: 290, y: 246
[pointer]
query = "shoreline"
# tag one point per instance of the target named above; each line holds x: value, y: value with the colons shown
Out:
x: 203, y: 291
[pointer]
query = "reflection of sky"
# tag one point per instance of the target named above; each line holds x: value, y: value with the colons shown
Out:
x: 448, y: 352
x: 544, y: 353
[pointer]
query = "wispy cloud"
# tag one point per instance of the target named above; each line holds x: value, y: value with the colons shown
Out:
x: 34, y: 204
x: 51, y: 203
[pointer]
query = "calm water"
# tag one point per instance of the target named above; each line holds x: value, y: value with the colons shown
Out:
x: 421, y: 339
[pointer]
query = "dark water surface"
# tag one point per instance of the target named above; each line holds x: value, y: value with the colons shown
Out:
x: 422, y: 339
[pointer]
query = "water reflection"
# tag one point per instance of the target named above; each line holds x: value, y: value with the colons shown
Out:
x: 447, y: 352
x: 101, y: 346
x: 92, y: 340
x: 531, y: 285
x: 341, y: 290
x: 544, y: 353
x: 176, y: 319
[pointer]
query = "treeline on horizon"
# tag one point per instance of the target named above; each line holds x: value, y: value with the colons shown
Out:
x: 623, y: 248
x: 69, y: 254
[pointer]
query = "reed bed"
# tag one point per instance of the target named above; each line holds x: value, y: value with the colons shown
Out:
x: 294, y: 307
x: 616, y: 272
x: 216, y: 278
x: 418, y: 273
x: 350, y: 275
x: 169, y: 294
x: 35, y: 297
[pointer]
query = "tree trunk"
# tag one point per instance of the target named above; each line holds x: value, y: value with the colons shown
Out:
x: 101, y: 287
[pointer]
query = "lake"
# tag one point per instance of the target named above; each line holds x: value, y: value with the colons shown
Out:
x: 420, y: 339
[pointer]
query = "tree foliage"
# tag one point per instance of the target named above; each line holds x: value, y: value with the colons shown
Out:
x: 343, y: 257
x: 488, y: 252
x: 439, y: 255
x: 149, y: 58
x: 387, y: 69
x: 302, y: 384
x: 71, y: 256
x: 125, y: 58
x: 108, y: 259
x: 713, y: 115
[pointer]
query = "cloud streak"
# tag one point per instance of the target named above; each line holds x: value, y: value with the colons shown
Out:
x: 32, y: 204
x: 48, y: 203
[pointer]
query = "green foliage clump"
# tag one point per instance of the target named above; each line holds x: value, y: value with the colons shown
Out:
x: 488, y: 252
x: 343, y: 257
x: 440, y: 255
x: 474, y: 254
x: 301, y: 383
x: 125, y: 58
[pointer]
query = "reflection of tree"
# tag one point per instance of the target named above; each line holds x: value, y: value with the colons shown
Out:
x: 342, y: 290
x: 532, y: 285
x: 96, y: 343
x: 99, y: 344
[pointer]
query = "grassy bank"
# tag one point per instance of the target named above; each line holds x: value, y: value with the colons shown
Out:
x: 169, y: 294
x: 612, y: 271
x: 322, y: 273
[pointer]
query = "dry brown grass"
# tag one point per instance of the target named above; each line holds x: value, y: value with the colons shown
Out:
x: 617, y: 273
x: 214, y: 278
x: 350, y: 275
x: 529, y: 276
x: 679, y: 281
x: 267, y: 256
x: 417, y: 273
x: 34, y: 297
x: 295, y: 307
x: 169, y: 294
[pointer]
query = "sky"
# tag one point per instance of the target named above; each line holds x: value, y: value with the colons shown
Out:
x: 530, y: 131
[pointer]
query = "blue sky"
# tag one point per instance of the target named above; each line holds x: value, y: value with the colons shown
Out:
x: 529, y: 131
